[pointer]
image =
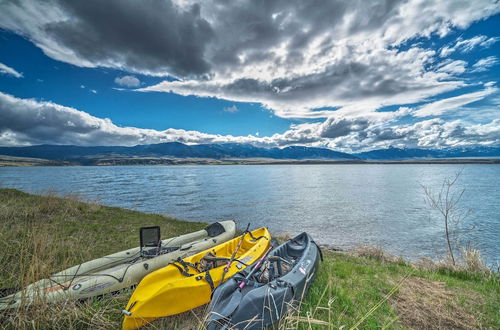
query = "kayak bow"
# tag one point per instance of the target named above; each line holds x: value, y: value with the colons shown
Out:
x: 188, y: 283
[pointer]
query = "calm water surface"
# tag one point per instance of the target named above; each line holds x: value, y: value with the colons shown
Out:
x: 340, y: 205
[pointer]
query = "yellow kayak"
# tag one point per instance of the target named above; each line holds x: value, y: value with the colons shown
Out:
x: 188, y: 283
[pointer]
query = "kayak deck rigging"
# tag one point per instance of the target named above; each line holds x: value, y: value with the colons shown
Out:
x: 117, y: 271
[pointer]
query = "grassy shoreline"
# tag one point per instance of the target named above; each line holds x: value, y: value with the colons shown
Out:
x: 40, y: 235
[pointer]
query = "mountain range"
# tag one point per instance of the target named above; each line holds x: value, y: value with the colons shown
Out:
x: 402, y: 154
x: 89, y: 155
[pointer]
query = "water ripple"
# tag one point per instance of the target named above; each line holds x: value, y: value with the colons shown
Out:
x: 340, y: 205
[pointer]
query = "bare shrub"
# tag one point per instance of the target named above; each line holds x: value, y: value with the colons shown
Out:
x: 446, y: 202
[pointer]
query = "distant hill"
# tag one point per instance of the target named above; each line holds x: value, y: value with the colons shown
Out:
x: 174, y: 150
x: 405, y: 154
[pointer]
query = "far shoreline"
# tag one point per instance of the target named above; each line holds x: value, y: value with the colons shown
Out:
x: 9, y: 161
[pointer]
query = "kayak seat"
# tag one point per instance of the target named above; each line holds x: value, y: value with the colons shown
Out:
x: 295, y: 248
x: 215, y: 229
x: 150, y: 241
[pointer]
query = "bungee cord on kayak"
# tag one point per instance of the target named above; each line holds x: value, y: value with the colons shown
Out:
x: 117, y: 271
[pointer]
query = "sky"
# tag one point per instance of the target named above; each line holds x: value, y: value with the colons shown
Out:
x: 345, y: 75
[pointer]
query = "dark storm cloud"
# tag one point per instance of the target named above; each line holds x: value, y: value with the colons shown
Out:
x: 147, y: 36
x: 264, y: 24
x: 296, y: 56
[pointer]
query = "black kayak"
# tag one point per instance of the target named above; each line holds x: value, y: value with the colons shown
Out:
x: 262, y: 294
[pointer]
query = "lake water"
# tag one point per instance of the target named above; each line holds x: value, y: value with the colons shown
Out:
x: 339, y: 205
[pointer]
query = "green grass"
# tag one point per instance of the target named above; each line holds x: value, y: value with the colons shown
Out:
x: 40, y: 235
x: 356, y: 284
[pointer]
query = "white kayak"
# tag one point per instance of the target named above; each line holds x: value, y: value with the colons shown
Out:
x: 118, y: 271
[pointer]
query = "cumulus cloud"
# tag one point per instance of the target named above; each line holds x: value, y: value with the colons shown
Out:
x: 358, y: 83
x: 336, y: 127
x: 4, y: 69
x: 295, y: 58
x: 128, y: 81
x: 484, y: 64
x: 292, y: 56
x: 432, y: 134
x: 27, y: 122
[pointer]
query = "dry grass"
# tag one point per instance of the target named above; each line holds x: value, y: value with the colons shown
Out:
x: 43, y: 235
x: 473, y: 262
x: 470, y: 262
x: 376, y: 253
x: 66, y: 315
x: 40, y: 235
x: 37, y: 254
x: 425, y: 304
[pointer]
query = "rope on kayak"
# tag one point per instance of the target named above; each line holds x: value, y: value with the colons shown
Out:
x: 208, y: 277
x: 132, y: 262
x: 215, y: 259
x: 256, y: 238
x: 184, y: 271
x: 196, y: 266
x: 186, y: 265
x: 66, y: 287
x: 73, y: 277
x: 93, y: 275
x: 118, y: 279
x: 274, y: 303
